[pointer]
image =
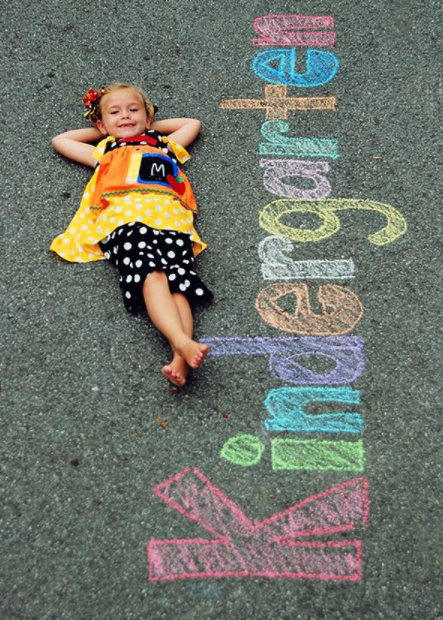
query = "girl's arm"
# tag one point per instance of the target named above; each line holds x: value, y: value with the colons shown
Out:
x: 182, y: 130
x: 75, y: 145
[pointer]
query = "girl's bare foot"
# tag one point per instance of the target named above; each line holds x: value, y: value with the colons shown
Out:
x: 193, y: 352
x: 176, y: 371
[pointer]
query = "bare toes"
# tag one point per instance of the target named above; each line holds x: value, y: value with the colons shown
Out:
x: 174, y: 377
x: 202, y: 352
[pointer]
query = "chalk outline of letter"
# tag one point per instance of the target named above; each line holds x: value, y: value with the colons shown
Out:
x: 278, y: 169
x: 271, y: 214
x: 286, y: 408
x: 276, y: 265
x: 277, y: 103
x: 284, y: 350
x: 276, y: 143
x: 319, y: 455
x: 321, y: 67
x: 342, y: 310
x: 338, y: 509
x: 282, y: 30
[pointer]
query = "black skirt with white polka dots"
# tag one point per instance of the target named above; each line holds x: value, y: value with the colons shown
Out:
x: 137, y: 250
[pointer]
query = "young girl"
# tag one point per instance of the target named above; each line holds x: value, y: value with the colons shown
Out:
x: 137, y: 211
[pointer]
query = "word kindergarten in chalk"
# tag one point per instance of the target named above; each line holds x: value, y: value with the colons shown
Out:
x: 278, y: 547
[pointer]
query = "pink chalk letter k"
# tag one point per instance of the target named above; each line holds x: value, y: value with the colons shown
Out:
x: 273, y: 548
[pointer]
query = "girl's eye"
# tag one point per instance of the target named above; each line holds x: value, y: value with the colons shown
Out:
x: 134, y: 109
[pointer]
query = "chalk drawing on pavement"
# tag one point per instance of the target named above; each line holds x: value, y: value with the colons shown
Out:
x: 294, y: 30
x: 276, y: 143
x: 317, y: 455
x: 276, y: 265
x: 341, y: 309
x: 273, y: 548
x: 278, y: 169
x: 279, y: 66
x: 277, y: 103
x: 325, y: 210
x: 244, y: 450
x: 287, y: 355
x: 287, y: 406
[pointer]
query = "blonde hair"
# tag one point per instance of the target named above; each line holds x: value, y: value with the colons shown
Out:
x: 96, y: 114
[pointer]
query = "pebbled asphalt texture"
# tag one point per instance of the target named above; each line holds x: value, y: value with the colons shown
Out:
x: 89, y: 426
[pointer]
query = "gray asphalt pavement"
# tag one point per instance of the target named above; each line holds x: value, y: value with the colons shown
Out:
x: 90, y: 428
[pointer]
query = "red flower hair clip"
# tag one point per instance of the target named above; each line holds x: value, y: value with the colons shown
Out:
x: 91, y: 99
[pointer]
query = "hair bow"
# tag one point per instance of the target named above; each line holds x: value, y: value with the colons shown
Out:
x: 92, y: 98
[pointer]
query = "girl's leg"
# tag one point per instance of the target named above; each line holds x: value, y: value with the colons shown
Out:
x: 177, y: 370
x: 165, y: 315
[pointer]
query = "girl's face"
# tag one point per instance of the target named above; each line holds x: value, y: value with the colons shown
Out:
x: 123, y: 114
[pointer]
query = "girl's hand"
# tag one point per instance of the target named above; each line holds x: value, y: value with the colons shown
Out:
x: 75, y: 145
x: 182, y: 130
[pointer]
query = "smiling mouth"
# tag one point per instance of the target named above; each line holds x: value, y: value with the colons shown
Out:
x: 126, y: 125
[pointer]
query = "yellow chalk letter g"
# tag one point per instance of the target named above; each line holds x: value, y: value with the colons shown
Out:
x: 273, y: 212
